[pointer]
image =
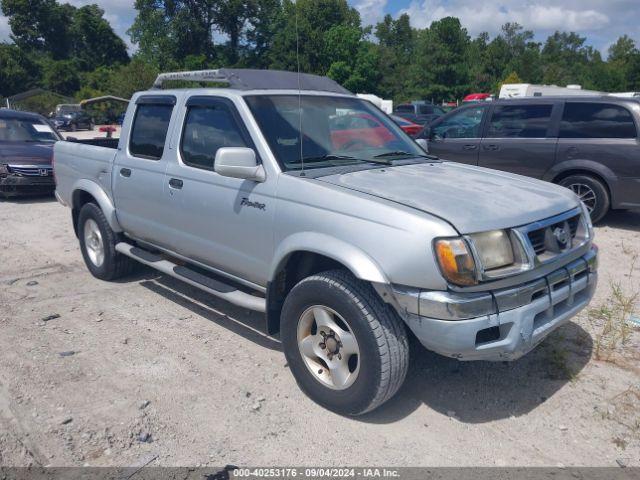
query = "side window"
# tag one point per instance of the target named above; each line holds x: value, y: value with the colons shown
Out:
x: 207, y: 128
x: 425, y: 110
x: 520, y: 121
x: 405, y: 109
x: 596, y: 120
x: 149, y: 130
x: 463, y: 124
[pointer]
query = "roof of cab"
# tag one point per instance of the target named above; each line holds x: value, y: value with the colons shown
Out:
x: 251, y: 79
x: 17, y: 114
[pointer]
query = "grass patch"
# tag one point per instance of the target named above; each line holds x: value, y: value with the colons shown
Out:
x: 612, y: 318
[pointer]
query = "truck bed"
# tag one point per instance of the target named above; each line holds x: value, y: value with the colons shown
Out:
x: 89, y: 160
x: 98, y: 142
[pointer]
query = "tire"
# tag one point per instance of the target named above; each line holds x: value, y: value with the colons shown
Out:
x: 381, y: 341
x: 592, y: 191
x: 73, y: 127
x: 95, y: 234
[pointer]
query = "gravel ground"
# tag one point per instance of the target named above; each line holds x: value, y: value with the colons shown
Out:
x: 149, y: 370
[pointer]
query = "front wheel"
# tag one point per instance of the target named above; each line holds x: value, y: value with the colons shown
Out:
x: 346, y: 348
x: 592, y: 192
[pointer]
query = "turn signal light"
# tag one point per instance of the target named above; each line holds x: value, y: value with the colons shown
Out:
x: 455, y: 260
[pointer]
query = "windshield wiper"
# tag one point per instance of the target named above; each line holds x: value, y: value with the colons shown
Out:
x: 399, y: 153
x: 329, y: 156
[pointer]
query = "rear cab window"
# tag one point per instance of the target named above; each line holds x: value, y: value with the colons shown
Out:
x: 150, y: 126
x: 520, y: 121
x: 596, y: 120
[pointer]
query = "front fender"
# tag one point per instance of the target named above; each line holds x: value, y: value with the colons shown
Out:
x: 104, y: 202
x: 358, y: 262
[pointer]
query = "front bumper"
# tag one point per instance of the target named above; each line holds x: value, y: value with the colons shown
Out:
x: 17, y: 185
x: 503, y: 324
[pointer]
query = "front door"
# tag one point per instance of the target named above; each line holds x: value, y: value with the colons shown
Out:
x: 223, y: 222
x: 520, y: 139
x: 456, y: 137
x: 139, y: 170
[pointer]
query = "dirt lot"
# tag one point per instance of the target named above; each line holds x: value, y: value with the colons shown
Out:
x: 149, y: 370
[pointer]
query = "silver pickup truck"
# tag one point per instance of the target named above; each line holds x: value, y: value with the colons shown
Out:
x: 288, y: 195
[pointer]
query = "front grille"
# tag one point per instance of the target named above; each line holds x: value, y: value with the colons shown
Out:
x: 555, y: 238
x: 31, y: 170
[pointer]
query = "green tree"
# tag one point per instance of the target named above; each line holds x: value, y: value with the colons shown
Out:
x: 18, y: 72
x: 441, y: 71
x: 61, y: 76
x: 302, y: 27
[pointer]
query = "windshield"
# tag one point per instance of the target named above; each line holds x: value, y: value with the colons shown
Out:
x: 336, y: 131
x: 26, y: 130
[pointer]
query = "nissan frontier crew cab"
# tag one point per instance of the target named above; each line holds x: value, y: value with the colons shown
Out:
x: 346, y: 234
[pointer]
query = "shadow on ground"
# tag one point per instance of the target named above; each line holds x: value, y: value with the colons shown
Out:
x: 26, y: 200
x: 626, y: 219
x: 250, y: 325
x: 478, y: 392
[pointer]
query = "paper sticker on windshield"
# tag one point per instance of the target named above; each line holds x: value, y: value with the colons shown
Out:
x: 42, y: 128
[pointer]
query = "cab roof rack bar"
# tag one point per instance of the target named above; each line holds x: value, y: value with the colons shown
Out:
x: 251, y: 79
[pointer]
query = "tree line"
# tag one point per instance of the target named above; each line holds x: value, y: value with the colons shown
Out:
x: 75, y: 52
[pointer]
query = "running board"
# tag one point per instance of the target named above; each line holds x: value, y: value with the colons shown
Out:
x: 196, y: 279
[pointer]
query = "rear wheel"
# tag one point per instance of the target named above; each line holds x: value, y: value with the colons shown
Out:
x: 98, y: 245
x: 346, y: 348
x: 592, y: 192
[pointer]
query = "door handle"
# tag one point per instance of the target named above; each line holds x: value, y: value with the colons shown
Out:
x: 470, y: 147
x: 175, y: 183
x: 572, y: 152
x: 125, y: 172
x: 490, y: 147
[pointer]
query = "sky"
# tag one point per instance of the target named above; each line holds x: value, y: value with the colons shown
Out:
x: 601, y: 21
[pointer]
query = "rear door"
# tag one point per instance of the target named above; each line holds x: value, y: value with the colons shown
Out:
x: 602, y: 137
x: 138, y: 176
x: 520, y: 138
x: 457, y: 136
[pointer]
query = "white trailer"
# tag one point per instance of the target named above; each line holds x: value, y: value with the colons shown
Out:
x: 385, y: 105
x: 520, y: 90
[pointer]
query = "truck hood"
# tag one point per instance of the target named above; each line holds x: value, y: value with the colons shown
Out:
x: 22, y: 153
x: 472, y: 199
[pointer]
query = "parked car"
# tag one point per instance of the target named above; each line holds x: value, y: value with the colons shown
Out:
x: 587, y: 144
x: 477, y: 97
x: 410, y: 128
x: 419, y: 112
x: 26, y: 150
x: 73, y: 121
x: 246, y: 193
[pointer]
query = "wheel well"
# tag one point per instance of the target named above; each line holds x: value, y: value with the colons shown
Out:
x: 567, y: 173
x: 297, y: 266
x: 79, y: 199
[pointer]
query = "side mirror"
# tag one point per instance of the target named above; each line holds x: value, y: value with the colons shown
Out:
x: 239, y: 162
x: 423, y: 144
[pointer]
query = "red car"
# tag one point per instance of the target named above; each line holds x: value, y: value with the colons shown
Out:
x: 358, y: 130
x: 476, y: 97
x: 410, y: 128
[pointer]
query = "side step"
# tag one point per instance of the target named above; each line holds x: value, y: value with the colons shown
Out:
x: 198, y: 280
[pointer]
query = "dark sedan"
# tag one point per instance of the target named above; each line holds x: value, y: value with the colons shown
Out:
x: 26, y: 151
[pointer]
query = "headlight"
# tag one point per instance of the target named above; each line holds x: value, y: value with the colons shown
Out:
x: 493, y: 248
x: 455, y: 260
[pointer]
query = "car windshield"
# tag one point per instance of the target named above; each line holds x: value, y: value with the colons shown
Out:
x: 26, y: 130
x: 336, y: 131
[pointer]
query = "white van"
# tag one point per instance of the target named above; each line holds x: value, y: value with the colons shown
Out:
x: 520, y: 90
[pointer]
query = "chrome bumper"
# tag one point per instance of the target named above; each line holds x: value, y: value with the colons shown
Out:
x: 503, y: 324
